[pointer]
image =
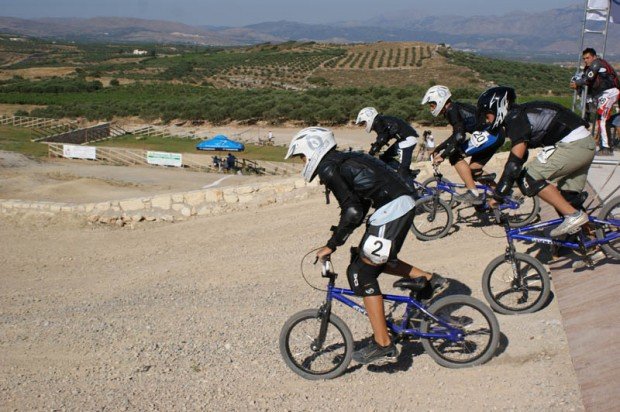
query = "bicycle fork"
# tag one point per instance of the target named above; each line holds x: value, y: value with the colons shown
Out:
x: 324, y: 313
x: 518, y: 279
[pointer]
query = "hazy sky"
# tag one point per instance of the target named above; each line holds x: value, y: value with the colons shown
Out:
x: 243, y: 12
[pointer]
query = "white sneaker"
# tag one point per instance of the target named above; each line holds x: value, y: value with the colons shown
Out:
x: 570, y: 225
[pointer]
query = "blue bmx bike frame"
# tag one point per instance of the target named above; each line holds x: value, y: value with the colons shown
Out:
x: 443, y: 331
x: 507, y: 203
x: 584, y: 241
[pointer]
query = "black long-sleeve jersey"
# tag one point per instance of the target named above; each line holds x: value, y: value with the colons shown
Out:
x: 390, y: 127
x: 359, y: 182
x: 462, y: 118
x: 599, y: 76
x: 540, y: 123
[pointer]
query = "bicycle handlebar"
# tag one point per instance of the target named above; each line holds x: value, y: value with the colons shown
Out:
x: 327, y: 269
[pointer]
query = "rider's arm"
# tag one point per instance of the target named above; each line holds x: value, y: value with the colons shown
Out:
x: 512, y: 169
x: 352, y: 209
x: 381, y: 140
x: 589, y: 74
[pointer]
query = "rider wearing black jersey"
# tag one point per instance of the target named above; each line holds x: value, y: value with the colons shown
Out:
x: 603, y: 83
x: 358, y: 182
x: 566, y: 155
x: 481, y: 146
x: 400, y: 153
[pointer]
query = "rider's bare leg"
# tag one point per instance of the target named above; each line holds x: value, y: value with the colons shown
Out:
x: 464, y: 171
x: 376, y: 315
x: 552, y: 195
x: 374, y: 304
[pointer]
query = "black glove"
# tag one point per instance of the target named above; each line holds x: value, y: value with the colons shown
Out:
x: 374, y: 149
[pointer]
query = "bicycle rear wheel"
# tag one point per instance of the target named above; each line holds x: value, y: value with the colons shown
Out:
x: 433, y: 219
x: 511, y: 293
x: 611, y: 210
x: 526, y: 213
x: 298, y: 346
x: 478, y: 324
x: 432, y: 182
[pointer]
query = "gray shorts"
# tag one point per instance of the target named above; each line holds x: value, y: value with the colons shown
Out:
x: 568, y: 166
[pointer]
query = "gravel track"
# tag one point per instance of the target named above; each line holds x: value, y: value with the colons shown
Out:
x: 187, y: 316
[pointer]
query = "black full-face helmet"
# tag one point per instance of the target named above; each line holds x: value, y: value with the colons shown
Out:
x: 497, y: 101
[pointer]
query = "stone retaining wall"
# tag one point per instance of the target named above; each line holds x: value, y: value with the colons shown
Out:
x: 171, y: 207
x: 181, y: 206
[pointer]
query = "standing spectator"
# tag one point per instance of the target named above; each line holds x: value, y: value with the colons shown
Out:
x: 429, y: 142
x: 230, y: 161
x: 602, y: 82
x: 217, y: 162
x: 270, y: 137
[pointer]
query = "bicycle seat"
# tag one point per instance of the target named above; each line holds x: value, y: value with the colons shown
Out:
x: 414, y: 285
x: 414, y: 173
x: 488, y: 177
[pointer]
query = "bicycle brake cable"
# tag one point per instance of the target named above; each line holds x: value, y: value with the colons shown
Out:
x: 303, y: 275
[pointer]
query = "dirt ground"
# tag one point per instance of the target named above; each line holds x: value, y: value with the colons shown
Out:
x: 187, y: 315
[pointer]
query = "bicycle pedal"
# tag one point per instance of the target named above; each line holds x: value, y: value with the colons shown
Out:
x: 387, y: 360
x: 590, y: 262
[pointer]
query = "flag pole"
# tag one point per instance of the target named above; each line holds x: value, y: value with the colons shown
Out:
x: 583, y: 34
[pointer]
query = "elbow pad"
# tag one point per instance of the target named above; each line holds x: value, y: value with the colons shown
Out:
x: 450, y: 148
x: 350, y: 218
x: 459, y: 137
x: 512, y: 169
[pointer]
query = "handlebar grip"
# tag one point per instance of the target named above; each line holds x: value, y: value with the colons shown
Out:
x: 326, y: 267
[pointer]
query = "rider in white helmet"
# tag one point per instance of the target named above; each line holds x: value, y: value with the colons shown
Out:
x: 399, y: 154
x: 481, y: 145
x: 359, y: 181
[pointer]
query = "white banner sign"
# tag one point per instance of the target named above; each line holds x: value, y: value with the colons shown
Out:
x: 164, y: 159
x: 79, y: 152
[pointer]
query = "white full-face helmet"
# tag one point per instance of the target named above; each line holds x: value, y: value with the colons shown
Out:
x: 439, y: 95
x: 367, y: 115
x: 313, y: 143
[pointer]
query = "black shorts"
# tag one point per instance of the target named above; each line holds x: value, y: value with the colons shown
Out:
x: 381, y: 244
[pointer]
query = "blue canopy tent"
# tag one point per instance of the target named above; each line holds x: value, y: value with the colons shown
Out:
x: 220, y: 142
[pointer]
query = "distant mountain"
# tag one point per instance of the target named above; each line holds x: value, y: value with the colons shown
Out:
x: 112, y: 29
x: 550, y: 32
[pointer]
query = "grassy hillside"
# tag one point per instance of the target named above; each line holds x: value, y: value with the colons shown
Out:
x: 306, y: 82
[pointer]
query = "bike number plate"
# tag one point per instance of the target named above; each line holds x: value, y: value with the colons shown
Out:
x: 377, y: 249
x: 479, y: 138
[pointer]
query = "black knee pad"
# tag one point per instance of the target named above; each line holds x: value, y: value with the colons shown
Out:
x: 530, y: 186
x: 576, y: 199
x: 363, y: 278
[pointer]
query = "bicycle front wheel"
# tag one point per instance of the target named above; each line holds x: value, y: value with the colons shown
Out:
x: 478, y: 324
x: 431, y: 184
x: 522, y: 286
x: 526, y: 213
x: 433, y: 219
x: 307, y: 358
x: 610, y: 211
